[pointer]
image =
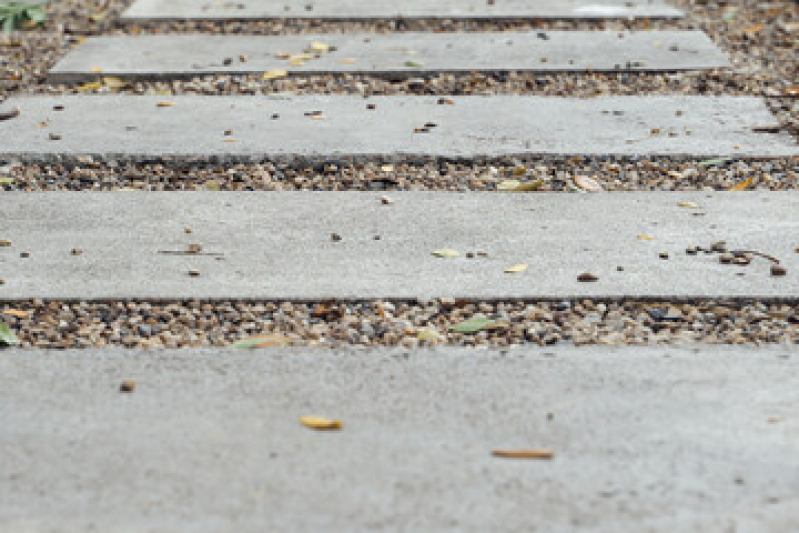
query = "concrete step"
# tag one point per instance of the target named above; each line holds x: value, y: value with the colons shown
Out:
x: 281, y: 245
x: 375, y: 9
x: 170, y: 56
x: 658, y: 439
x: 338, y: 127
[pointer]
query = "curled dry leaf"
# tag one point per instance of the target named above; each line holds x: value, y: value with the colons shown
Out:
x: 521, y: 267
x: 317, y: 422
x: 165, y: 103
x: 587, y: 184
x: 524, y: 454
x: 446, y: 253
x: 274, y: 74
x: 688, y: 205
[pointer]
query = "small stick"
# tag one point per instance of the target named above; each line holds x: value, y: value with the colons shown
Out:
x: 178, y: 252
x: 753, y: 252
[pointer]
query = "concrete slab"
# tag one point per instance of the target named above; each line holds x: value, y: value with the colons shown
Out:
x: 279, y: 246
x: 169, y: 56
x: 342, y: 127
x: 654, y: 439
x: 373, y: 9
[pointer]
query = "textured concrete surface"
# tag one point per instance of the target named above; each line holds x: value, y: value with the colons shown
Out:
x: 336, y: 127
x: 278, y: 245
x: 170, y: 56
x: 368, y: 9
x: 656, y: 439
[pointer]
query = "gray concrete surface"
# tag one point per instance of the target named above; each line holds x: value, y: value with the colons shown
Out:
x: 656, y: 439
x: 278, y: 245
x: 370, y: 9
x: 171, y: 56
x: 279, y: 127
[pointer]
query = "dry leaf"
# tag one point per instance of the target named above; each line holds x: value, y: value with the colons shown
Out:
x: 446, y: 253
x: 17, y: 313
x: 319, y: 47
x: 300, y: 57
x: 282, y: 56
x: 96, y: 69
x: 346, y: 60
x: 387, y: 168
x: 753, y: 29
x: 114, y: 82
x: 519, y: 186
x: 646, y: 237
x: 688, y: 205
x: 742, y: 186
x: 317, y: 422
x: 524, y: 454
x: 521, y: 267
x: 587, y: 184
x: 274, y: 74
x: 165, y: 103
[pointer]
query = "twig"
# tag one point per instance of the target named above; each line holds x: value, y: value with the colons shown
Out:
x: 8, y: 115
x: 179, y: 252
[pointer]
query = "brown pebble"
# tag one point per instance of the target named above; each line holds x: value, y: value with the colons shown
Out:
x: 691, y: 251
x: 25, y: 255
x: 54, y: 137
x: 726, y: 258
x: 720, y: 246
x: 76, y: 251
x: 778, y: 270
x: 58, y: 108
x: 127, y: 386
x: 587, y: 277
x: 335, y: 237
x: 370, y: 106
x: 195, y: 248
x: 187, y: 230
x: 194, y: 273
x: 620, y: 269
x: 5, y: 242
x: 663, y: 255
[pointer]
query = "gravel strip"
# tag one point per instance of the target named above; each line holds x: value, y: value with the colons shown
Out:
x: 181, y: 324
x: 550, y: 174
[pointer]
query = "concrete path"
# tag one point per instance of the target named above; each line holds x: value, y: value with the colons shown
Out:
x: 657, y: 439
x: 170, y: 56
x: 280, y: 245
x: 337, y: 127
x: 373, y: 9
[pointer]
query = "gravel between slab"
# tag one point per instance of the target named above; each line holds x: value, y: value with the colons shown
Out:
x: 182, y: 324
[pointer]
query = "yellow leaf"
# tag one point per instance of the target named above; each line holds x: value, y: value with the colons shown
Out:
x: 508, y: 185
x: 428, y: 335
x: 17, y: 313
x: 646, y: 237
x: 319, y: 47
x: 89, y: 86
x: 165, y: 103
x: 742, y: 186
x: 387, y: 168
x: 300, y: 57
x: 521, y: 267
x: 274, y: 74
x: 346, y: 60
x: 113, y: 82
x: 524, y: 454
x: 317, y: 422
x: 688, y: 205
x: 282, y: 56
x: 96, y: 69
x: 230, y: 140
x: 446, y: 253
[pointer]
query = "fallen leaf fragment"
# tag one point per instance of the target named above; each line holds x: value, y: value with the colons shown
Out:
x: 274, y: 74
x: 97, y: 69
x: 261, y: 341
x: 17, y: 313
x: 446, y: 253
x: 688, y: 205
x: 587, y: 184
x: 7, y: 336
x: 114, y: 82
x: 5, y: 243
x: 89, y: 86
x: 473, y: 325
x: 753, y: 29
x: 521, y: 267
x: 165, y: 103
x: 519, y: 186
x: 317, y: 422
x: 413, y: 64
x: 524, y: 454
x: 742, y: 186
x: 646, y: 237
x: 212, y: 185
x: 428, y: 335
x: 346, y: 60
x: 319, y: 47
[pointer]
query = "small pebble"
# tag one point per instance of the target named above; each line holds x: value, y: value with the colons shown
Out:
x: 778, y: 270
x: 194, y: 273
x: 663, y: 255
x: 587, y: 277
x: 726, y: 258
x: 127, y: 386
x: 335, y: 237
x: 76, y: 251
